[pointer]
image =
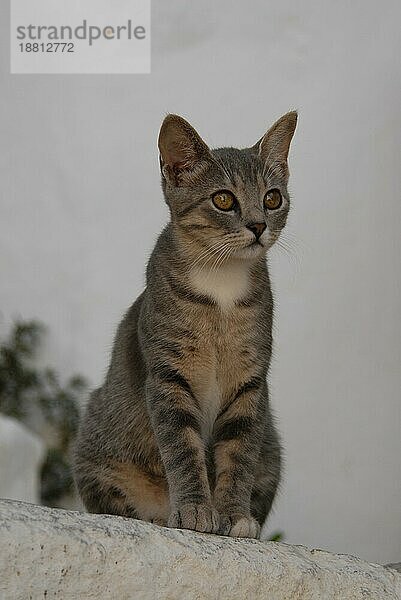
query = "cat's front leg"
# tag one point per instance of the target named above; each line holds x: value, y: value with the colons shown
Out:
x: 176, y: 422
x: 237, y: 442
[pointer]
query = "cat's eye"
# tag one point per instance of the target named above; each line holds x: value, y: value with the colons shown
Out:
x: 273, y: 199
x: 224, y: 200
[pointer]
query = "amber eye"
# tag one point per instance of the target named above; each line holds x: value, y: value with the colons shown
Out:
x: 224, y: 200
x: 273, y: 199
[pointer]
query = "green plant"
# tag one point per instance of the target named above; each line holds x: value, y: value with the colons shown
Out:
x: 36, y: 397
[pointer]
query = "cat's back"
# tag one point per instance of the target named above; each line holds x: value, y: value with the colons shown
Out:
x: 126, y: 372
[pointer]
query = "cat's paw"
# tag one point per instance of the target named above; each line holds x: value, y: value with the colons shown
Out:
x: 159, y: 521
x: 239, y: 525
x: 198, y: 517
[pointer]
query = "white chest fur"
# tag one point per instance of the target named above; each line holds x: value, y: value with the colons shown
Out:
x: 225, y: 285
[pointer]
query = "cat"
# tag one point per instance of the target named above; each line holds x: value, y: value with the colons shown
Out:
x: 181, y: 432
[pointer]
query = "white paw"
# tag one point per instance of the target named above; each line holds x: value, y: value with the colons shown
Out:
x: 238, y: 525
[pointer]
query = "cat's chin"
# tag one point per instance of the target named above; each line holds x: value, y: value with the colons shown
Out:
x: 251, y: 252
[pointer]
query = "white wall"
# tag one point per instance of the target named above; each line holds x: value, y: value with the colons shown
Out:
x: 81, y: 207
x: 21, y: 452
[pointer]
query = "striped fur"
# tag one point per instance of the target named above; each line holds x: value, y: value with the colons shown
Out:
x: 181, y: 431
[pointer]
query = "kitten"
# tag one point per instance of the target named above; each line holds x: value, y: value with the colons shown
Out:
x: 181, y: 432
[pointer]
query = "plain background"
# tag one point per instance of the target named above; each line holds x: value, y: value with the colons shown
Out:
x: 81, y: 208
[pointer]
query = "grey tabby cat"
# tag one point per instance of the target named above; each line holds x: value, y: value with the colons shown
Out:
x: 181, y: 432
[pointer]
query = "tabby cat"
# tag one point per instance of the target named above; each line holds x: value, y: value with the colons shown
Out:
x: 181, y: 432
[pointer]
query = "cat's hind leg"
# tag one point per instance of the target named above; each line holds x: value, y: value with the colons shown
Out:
x: 103, y: 499
x: 122, y: 488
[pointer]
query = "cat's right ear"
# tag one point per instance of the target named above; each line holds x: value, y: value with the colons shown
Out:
x: 183, y: 153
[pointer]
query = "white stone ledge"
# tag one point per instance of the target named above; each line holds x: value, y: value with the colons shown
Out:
x: 46, y: 553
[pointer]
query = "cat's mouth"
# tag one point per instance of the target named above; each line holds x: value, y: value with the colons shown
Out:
x: 251, y: 251
x: 255, y: 243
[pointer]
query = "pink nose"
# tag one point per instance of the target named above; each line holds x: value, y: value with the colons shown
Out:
x: 257, y: 228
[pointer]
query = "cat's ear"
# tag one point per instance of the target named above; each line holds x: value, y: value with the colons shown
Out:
x: 275, y: 144
x: 183, y: 153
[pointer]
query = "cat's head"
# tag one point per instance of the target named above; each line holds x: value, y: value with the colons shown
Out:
x: 231, y: 202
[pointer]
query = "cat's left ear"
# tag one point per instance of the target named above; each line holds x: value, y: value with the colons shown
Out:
x: 183, y: 153
x: 275, y: 144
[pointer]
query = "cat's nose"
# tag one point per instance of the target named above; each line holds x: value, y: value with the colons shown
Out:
x: 257, y: 228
